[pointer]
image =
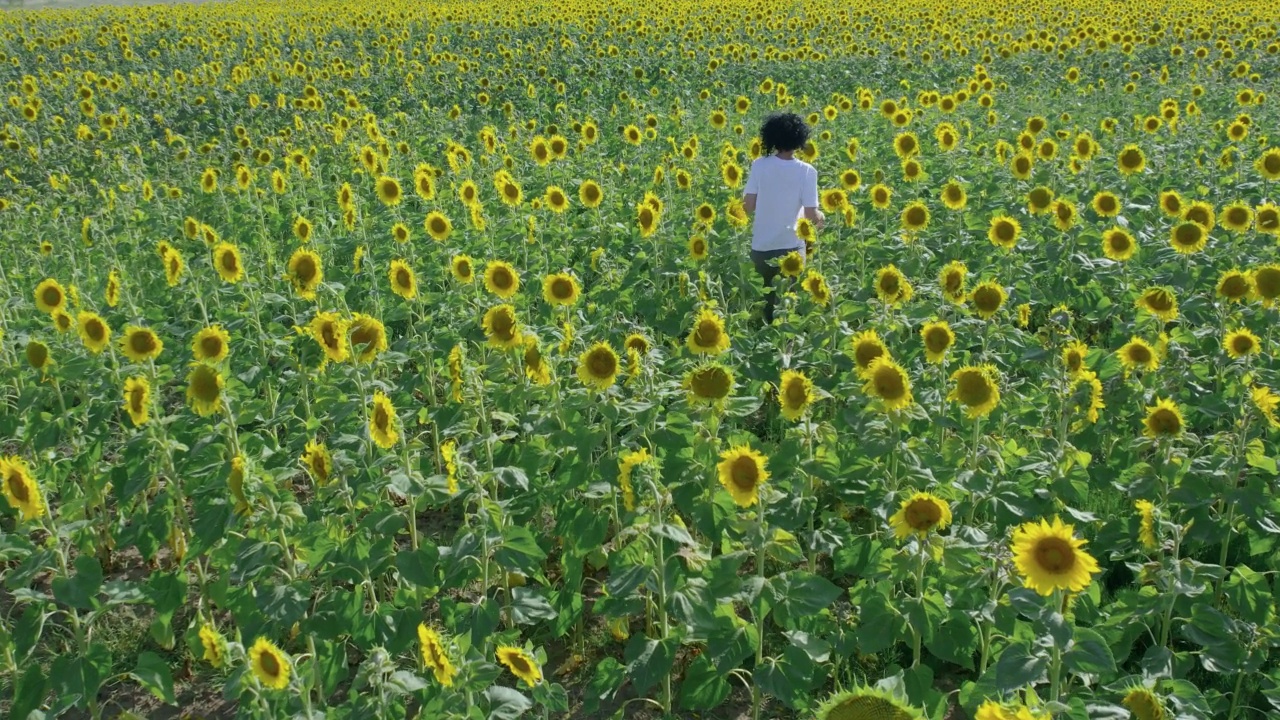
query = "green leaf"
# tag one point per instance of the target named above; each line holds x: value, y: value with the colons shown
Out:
x: 418, y: 567
x: 153, y: 673
x: 505, y: 703
x: 1249, y: 596
x: 648, y: 661
x: 29, y: 694
x: 1089, y: 653
x: 802, y: 594
x: 703, y: 688
x: 519, y: 550
x: 80, y: 590
x: 1017, y: 667
x: 528, y: 606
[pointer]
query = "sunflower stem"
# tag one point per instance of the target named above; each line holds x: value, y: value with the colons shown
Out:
x: 1235, y: 697
x: 1055, y: 660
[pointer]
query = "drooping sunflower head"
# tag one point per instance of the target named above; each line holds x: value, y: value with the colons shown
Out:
x: 887, y: 381
x: 318, y: 461
x: 987, y: 298
x: 1144, y: 704
x: 938, y: 338
x: 866, y: 704
x: 976, y: 389
x: 920, y: 514
x: 1049, y: 557
x: 742, y: 472
x: 598, y: 366
x: 501, y: 279
x: 204, y: 389
x: 708, y: 336
x: 952, y: 281
x: 710, y: 383
x: 1164, y: 419
x: 501, y: 327
x: 1161, y: 302
x: 20, y: 490
x: 211, y: 344
x: 520, y: 663
x: 560, y: 289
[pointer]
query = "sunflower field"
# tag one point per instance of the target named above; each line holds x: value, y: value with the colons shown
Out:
x: 405, y: 360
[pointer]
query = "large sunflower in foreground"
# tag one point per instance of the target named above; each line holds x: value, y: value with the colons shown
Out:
x: 1049, y: 557
x: 742, y: 471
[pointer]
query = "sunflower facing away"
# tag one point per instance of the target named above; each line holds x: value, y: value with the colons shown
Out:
x: 20, y: 488
x: 1164, y: 419
x: 384, y: 426
x: 866, y: 704
x: 1146, y: 524
x: 1049, y: 557
x: 598, y: 366
x: 520, y: 663
x: 269, y: 664
x: 214, y: 645
x: 795, y: 394
x: 742, y: 471
x: 976, y: 388
x: 627, y: 464
x: 919, y: 514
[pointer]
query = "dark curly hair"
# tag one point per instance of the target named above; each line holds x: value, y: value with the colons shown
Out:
x: 783, y: 131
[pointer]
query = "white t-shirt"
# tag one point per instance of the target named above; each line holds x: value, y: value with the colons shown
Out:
x: 782, y: 189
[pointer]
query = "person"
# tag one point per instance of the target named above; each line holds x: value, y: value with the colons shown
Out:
x: 780, y: 190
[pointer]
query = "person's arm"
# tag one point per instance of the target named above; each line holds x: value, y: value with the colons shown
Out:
x: 809, y: 201
x: 749, y: 203
x: 750, y: 192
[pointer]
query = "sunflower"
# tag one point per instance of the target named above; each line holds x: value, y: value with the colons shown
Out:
x: 211, y: 344
x: 1202, y: 214
x: 954, y: 196
x: 204, y: 389
x: 1268, y: 164
x: 389, y: 191
x: 1106, y: 204
x: 437, y: 226
x: 140, y: 344
x: 1237, y: 217
x: 1039, y: 200
x: 886, y: 380
x: 1004, y: 232
x: 988, y: 298
x: 368, y: 337
x: 976, y: 388
x: 952, y: 280
x: 560, y: 289
x: 1064, y: 214
x: 20, y: 488
x: 1147, y: 524
x: 318, y: 461
x: 792, y: 264
x: 95, y: 333
x: 535, y: 367
x: 698, y: 248
x: 1188, y: 237
x: 709, y: 383
x: 742, y: 471
x: 906, y: 145
x: 915, y: 217
x: 384, y: 426
x: 1021, y: 165
x: 556, y: 199
x: 816, y: 285
x: 137, y: 399
x: 881, y: 196
x: 1266, y: 284
x: 1171, y: 203
x: 795, y: 394
x: 449, y: 453
x: 1131, y: 160
x: 938, y: 339
x: 1240, y: 343
x: 1073, y: 357
x: 112, y: 293
x: 226, y: 259
x: 1267, y: 219
x: 708, y: 336
x: 1160, y: 302
x: 214, y: 645
x: 590, y: 194
x: 269, y: 664
x: 1049, y: 557
x: 1143, y: 704
x: 1234, y: 285
x: 520, y: 663
x: 1266, y: 401
x: 850, y: 180
x: 306, y: 273
x: 1164, y: 419
x: 867, y: 348
x: 501, y: 279
x: 1138, y: 354
x: 303, y: 229
x: 1118, y: 244
x: 434, y: 657
x: 598, y: 366
x: 866, y: 704
x: 920, y: 514
x: 510, y: 192
x: 209, y: 180
x: 330, y: 333
x: 403, y: 281
x: 627, y: 463
x: 50, y: 296
x: 501, y: 327
x: 891, y: 287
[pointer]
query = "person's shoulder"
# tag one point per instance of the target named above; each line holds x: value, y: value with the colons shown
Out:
x: 760, y: 161
x: 808, y: 169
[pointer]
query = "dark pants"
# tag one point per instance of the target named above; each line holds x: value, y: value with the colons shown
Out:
x: 768, y: 270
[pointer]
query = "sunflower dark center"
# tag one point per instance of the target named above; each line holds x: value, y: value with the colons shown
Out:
x: 1055, y: 555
